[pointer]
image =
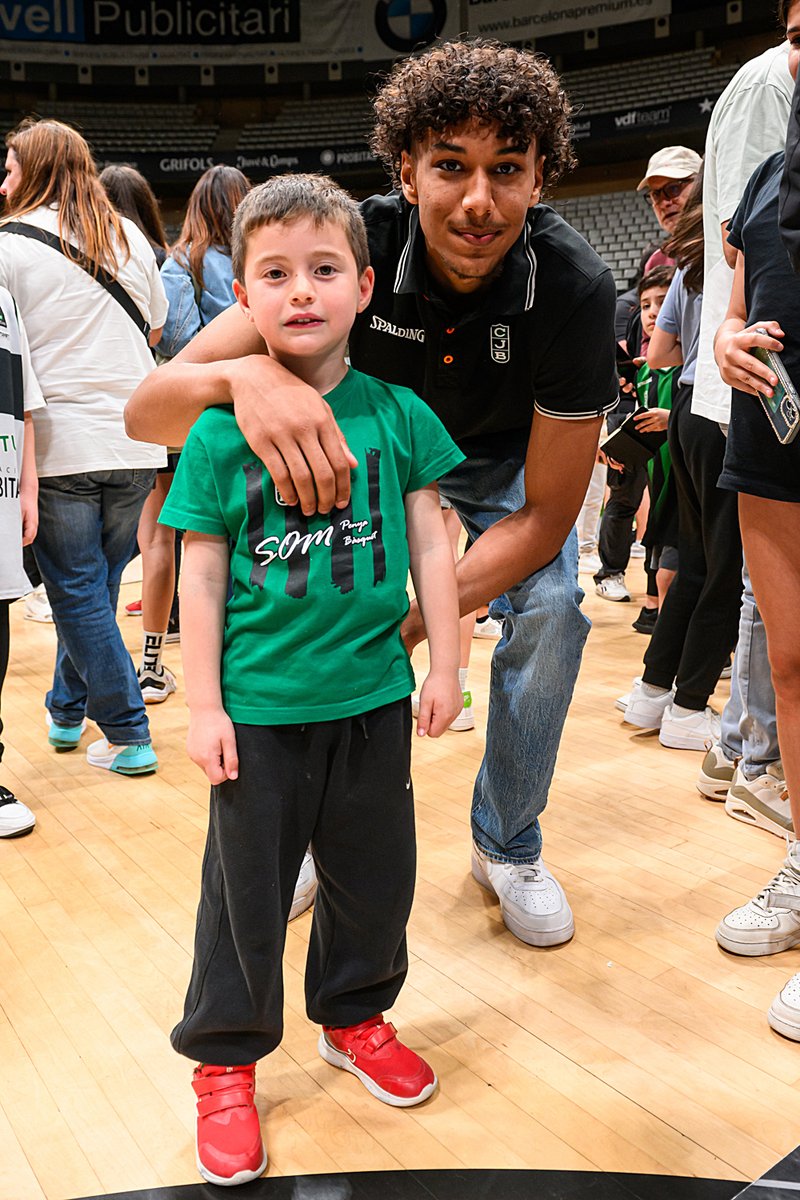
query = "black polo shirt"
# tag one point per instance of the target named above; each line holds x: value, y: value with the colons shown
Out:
x: 540, y: 337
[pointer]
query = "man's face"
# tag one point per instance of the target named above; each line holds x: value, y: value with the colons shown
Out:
x: 302, y: 289
x: 793, y: 36
x: 13, y: 175
x: 473, y: 188
x: 668, y: 198
x: 651, y: 301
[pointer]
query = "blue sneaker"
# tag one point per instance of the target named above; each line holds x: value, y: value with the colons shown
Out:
x: 125, y: 760
x: 63, y: 737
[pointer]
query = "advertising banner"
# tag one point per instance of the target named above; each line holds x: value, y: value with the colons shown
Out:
x: 222, y: 31
x: 519, y: 20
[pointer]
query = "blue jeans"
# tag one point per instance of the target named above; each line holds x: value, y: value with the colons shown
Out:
x: 749, y: 728
x: 87, y: 531
x: 534, y: 666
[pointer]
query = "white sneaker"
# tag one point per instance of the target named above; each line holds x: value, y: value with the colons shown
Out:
x: 16, y: 819
x: 156, y: 685
x: 637, y: 550
x: 589, y: 564
x: 697, y: 731
x: 532, y: 900
x: 464, y: 720
x: 762, y: 801
x: 124, y: 760
x: 646, y: 712
x: 306, y: 887
x: 37, y: 606
x: 622, y: 702
x: 770, y: 922
x: 784, y: 1012
x: 488, y: 628
x: 613, y: 588
x: 716, y: 774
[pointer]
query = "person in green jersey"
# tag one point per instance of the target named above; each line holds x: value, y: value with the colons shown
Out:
x: 298, y: 685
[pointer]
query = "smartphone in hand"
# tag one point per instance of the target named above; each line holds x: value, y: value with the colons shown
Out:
x: 783, y: 406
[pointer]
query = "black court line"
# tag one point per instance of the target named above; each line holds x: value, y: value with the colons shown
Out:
x: 462, y: 1185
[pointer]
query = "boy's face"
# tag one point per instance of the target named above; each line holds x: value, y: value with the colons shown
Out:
x: 302, y: 289
x: 651, y: 301
x: 473, y: 188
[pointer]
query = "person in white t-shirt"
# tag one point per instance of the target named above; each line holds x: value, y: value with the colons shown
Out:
x: 88, y: 289
x: 748, y: 125
x: 19, y: 396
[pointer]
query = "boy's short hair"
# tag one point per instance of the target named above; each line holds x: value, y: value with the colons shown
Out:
x: 286, y: 198
x: 474, y: 81
x: 659, y: 277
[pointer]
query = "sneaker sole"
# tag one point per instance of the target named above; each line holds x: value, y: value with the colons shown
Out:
x: 683, y: 741
x: 711, y: 788
x: 235, y: 1180
x: 8, y: 837
x: 61, y: 747
x: 302, y: 902
x: 788, y: 1028
x: 549, y: 937
x: 752, y: 812
x: 756, y: 949
x: 135, y: 769
x: 462, y: 723
x: 336, y: 1058
x: 152, y: 695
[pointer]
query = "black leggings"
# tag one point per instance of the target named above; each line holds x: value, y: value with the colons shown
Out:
x: 699, y: 619
x: 344, y: 787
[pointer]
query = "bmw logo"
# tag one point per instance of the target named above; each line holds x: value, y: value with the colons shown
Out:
x: 404, y: 24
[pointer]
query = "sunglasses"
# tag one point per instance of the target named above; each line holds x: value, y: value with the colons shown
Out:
x: 670, y: 191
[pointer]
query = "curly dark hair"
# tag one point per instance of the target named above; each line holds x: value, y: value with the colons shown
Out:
x: 476, y: 81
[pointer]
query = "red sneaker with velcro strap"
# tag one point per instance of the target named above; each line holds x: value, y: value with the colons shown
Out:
x: 388, y: 1069
x: 229, y: 1145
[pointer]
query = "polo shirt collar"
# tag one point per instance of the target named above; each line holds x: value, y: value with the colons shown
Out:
x: 512, y: 292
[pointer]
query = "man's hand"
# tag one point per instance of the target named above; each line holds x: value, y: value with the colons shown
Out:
x: 440, y: 702
x: 293, y: 431
x: 29, y: 504
x: 211, y: 743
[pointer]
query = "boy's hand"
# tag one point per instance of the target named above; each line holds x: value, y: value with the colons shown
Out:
x: 29, y: 505
x: 440, y: 702
x: 653, y: 421
x: 211, y: 743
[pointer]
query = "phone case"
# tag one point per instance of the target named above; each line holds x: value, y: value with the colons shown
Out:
x: 783, y: 412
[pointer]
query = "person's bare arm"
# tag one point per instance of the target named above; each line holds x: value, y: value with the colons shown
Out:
x: 286, y: 422
x: 211, y: 740
x: 735, y: 339
x: 558, y: 465
x: 728, y: 250
x: 29, y: 485
x: 664, y: 349
x: 434, y: 577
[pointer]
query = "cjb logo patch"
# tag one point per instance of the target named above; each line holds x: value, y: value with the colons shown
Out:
x: 500, y: 343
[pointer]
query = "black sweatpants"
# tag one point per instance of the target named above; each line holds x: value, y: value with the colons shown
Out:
x: 699, y: 619
x: 344, y: 787
x: 616, y: 527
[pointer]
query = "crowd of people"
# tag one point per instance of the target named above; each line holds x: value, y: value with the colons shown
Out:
x: 336, y: 384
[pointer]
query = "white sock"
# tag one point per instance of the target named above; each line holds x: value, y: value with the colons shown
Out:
x: 679, y: 711
x: 462, y: 678
x: 152, y: 646
x: 651, y: 691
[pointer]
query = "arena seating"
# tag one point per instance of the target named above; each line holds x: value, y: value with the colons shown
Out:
x: 617, y: 224
x: 311, y: 122
x: 646, y: 81
x: 136, y: 128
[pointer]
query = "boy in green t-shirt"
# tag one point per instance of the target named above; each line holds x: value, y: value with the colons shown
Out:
x: 298, y: 687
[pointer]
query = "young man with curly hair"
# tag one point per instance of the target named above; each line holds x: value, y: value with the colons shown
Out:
x: 501, y: 317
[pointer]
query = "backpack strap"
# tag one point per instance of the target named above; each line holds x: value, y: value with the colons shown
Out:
x: 99, y: 274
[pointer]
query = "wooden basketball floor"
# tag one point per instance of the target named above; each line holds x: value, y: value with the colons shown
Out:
x: 640, y: 1046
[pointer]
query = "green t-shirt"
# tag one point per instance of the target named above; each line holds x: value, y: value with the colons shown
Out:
x: 312, y: 628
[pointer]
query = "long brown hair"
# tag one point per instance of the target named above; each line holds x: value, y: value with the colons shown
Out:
x: 209, y: 216
x: 57, y: 168
x: 132, y: 196
x: 686, y: 244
